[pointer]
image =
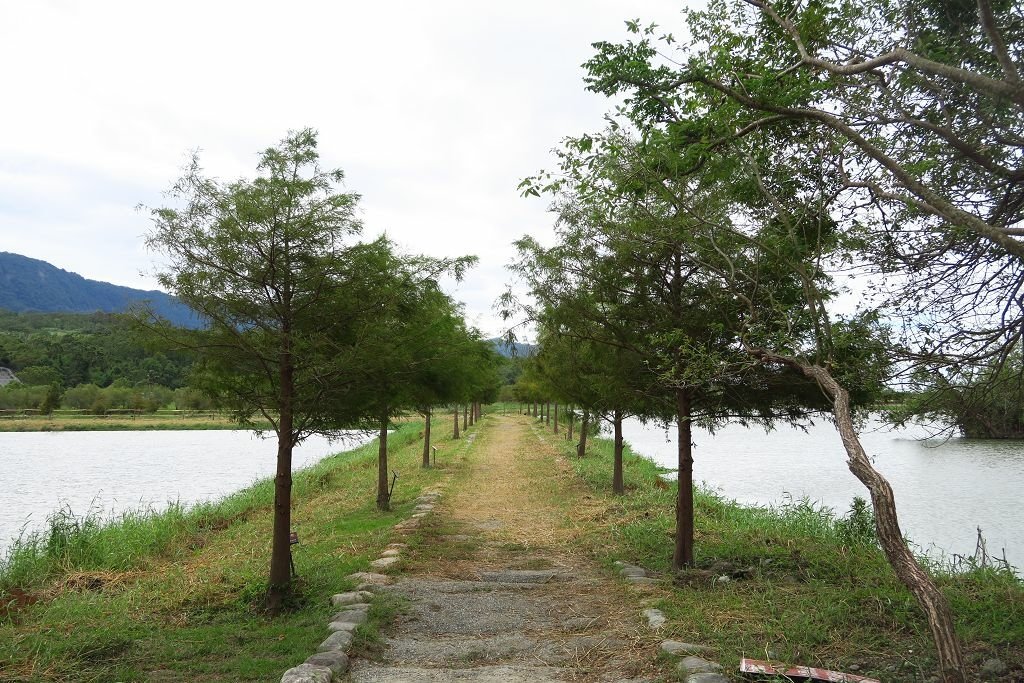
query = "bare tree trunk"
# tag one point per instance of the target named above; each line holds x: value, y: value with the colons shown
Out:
x: 535, y: 409
x: 426, y: 437
x: 683, y: 554
x: 383, y: 500
x: 581, y: 447
x: 472, y: 413
x: 572, y: 421
x: 618, y: 483
x: 455, y: 434
x: 931, y: 600
x: 555, y: 430
x: 279, y: 586
x: 547, y: 413
x: 465, y: 417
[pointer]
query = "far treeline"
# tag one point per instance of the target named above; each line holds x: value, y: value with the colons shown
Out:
x: 797, y: 205
x: 94, y: 362
x: 98, y: 362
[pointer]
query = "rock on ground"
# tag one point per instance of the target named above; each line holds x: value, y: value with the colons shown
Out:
x: 307, y: 673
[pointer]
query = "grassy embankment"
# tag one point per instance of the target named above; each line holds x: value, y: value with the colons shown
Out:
x: 78, y: 422
x: 175, y: 596
x: 802, y: 584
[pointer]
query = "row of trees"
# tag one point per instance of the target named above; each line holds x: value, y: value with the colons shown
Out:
x: 120, y: 395
x: 787, y: 152
x: 308, y: 327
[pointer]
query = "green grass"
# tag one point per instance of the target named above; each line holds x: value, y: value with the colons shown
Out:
x: 804, y: 584
x: 177, y: 595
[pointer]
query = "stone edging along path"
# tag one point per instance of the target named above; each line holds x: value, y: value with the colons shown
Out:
x: 330, y: 661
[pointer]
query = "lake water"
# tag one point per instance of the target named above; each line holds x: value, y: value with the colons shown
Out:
x: 945, y: 488
x: 110, y: 472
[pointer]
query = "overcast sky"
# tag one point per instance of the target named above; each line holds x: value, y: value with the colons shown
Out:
x: 435, y: 110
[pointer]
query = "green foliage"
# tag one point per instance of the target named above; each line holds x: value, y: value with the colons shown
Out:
x: 421, y: 353
x: 73, y: 349
x: 858, y: 526
x: 985, y: 403
x: 51, y: 401
x: 16, y: 396
x: 308, y: 329
x: 39, y: 375
x: 265, y: 263
x: 917, y: 177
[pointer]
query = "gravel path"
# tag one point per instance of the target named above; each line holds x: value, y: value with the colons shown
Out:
x: 494, y: 589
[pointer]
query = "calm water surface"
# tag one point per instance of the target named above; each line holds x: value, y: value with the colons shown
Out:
x: 945, y: 489
x: 110, y: 472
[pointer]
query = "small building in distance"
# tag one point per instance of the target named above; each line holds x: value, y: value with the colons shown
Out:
x: 7, y: 376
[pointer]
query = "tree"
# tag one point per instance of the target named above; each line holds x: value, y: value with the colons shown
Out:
x: 39, y: 375
x: 641, y: 241
x: 266, y: 264
x: 917, y: 107
x: 441, y: 371
x: 913, y: 109
x: 583, y: 360
x: 772, y: 254
x: 411, y: 338
x: 982, y: 403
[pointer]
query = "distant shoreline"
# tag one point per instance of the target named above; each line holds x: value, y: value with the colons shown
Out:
x: 103, y: 423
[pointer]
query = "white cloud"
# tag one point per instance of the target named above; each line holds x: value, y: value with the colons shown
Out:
x: 435, y: 111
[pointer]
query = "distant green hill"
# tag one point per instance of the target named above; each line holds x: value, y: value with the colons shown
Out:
x: 28, y: 284
x: 516, y: 349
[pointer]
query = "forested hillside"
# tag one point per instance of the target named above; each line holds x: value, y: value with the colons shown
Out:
x: 28, y: 284
x: 75, y: 349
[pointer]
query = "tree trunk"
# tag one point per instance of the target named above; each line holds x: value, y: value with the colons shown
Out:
x: 581, y: 447
x: 426, y: 437
x: 383, y: 499
x: 279, y: 587
x: 930, y: 599
x: 465, y: 417
x: 547, y: 413
x: 555, y: 430
x: 618, y: 485
x: 535, y: 409
x: 683, y: 555
x: 455, y: 434
x: 572, y: 422
x: 472, y: 414
x: 903, y: 562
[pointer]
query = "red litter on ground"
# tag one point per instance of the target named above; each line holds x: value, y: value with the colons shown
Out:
x: 810, y: 673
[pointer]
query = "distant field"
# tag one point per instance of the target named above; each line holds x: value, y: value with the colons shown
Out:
x: 60, y: 421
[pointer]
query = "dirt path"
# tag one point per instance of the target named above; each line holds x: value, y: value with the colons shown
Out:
x: 494, y: 587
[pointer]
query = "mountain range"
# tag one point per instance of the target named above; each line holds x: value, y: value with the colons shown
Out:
x: 28, y: 284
